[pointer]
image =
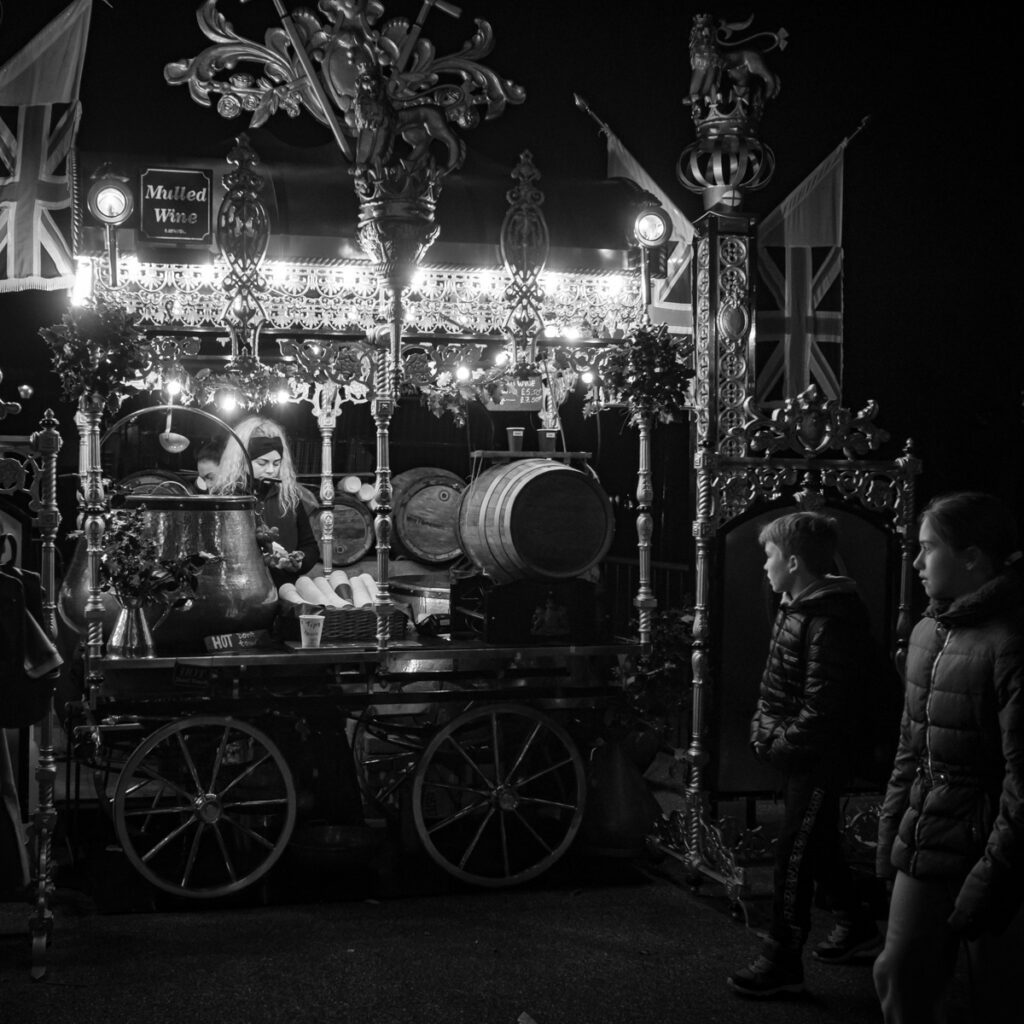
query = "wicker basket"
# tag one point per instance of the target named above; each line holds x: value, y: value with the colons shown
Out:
x: 341, y: 625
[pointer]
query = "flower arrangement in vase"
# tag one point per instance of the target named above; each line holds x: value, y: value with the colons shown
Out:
x: 97, y: 350
x: 132, y: 569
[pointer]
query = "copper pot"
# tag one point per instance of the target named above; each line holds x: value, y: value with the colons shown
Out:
x: 234, y: 593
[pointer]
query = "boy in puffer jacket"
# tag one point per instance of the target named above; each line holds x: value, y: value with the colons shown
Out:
x: 805, y: 725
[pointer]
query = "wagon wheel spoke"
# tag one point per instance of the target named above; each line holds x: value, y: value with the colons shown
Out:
x: 270, y: 801
x: 454, y: 788
x: 541, y: 802
x: 495, y: 747
x: 152, y: 812
x: 250, y: 833
x: 533, y: 832
x: 385, y: 791
x: 544, y: 771
x: 458, y: 816
x: 228, y: 863
x: 219, y: 758
x: 526, y: 746
x: 476, y: 838
x: 469, y: 760
x: 189, y: 763
x: 244, y: 775
x: 192, y: 854
x: 504, y: 845
x: 152, y: 775
x: 172, y: 835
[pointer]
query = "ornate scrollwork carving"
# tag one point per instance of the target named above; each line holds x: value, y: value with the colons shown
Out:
x: 243, y: 235
x: 811, y: 425
x: 395, y: 96
x: 525, y: 245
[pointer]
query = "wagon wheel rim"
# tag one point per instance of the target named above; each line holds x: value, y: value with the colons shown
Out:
x: 204, y: 807
x: 498, y: 795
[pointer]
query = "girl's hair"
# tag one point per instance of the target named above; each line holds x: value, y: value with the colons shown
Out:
x: 233, y: 471
x: 973, y: 519
x: 812, y: 536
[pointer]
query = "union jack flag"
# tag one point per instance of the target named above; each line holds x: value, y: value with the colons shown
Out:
x: 799, y: 322
x: 39, y: 114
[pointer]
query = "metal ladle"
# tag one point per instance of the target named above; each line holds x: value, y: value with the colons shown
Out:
x: 169, y: 440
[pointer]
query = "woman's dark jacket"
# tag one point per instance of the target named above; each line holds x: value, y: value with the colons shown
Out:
x: 953, y: 809
x: 294, y: 528
x: 810, y: 691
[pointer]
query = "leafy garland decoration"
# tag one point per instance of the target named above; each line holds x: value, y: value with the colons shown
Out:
x: 254, y: 383
x: 649, y: 374
x: 435, y: 376
x: 97, y: 349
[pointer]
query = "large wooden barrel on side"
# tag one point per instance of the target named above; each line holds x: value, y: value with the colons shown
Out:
x: 535, y: 519
x: 353, y: 529
x: 426, y: 507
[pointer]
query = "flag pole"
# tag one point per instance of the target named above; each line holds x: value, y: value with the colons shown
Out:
x: 864, y: 122
x: 582, y: 104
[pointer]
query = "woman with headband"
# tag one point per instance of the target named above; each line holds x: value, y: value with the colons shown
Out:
x: 283, y: 503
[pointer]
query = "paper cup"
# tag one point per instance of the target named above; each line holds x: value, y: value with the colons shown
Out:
x: 311, y: 628
x: 515, y: 439
x: 548, y: 439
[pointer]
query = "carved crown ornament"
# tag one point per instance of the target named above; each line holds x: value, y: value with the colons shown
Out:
x: 730, y: 81
x: 394, y: 106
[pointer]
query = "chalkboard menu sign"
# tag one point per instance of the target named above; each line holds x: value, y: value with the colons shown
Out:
x: 176, y: 205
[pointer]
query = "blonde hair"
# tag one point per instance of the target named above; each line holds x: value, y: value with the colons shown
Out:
x: 233, y: 471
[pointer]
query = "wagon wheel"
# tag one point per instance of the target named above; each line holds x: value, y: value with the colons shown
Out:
x: 205, y: 806
x: 498, y: 794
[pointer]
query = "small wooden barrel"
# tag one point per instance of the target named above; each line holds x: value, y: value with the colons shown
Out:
x: 353, y: 529
x: 426, y: 594
x: 426, y: 506
x: 535, y: 519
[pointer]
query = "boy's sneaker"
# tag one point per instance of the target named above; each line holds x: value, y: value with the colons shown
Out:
x: 848, y: 941
x: 766, y: 977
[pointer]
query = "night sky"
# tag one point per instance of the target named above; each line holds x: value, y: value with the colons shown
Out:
x: 932, y: 293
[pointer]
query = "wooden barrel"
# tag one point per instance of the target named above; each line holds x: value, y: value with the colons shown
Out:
x: 353, y: 529
x: 426, y: 594
x: 426, y: 506
x: 535, y: 519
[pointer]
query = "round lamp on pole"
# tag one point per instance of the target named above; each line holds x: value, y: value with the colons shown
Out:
x: 111, y: 201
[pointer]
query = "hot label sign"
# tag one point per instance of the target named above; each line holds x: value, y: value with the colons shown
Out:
x: 176, y: 205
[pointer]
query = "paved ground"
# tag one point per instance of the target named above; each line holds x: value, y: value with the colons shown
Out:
x: 593, y: 942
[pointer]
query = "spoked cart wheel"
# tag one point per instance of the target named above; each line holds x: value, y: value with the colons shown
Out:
x: 498, y: 794
x: 204, y: 806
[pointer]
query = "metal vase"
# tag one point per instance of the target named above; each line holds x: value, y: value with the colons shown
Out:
x: 131, y: 636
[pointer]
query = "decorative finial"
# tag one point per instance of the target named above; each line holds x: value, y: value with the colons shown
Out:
x: 729, y: 84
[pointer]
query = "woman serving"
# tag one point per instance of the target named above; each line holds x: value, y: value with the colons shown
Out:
x: 289, y: 511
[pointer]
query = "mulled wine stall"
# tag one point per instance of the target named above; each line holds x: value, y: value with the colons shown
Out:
x: 467, y: 639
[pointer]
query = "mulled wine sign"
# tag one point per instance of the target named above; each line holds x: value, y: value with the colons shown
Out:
x: 518, y: 396
x: 176, y: 205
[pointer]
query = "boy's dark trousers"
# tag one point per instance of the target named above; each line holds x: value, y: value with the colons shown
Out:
x: 808, y: 851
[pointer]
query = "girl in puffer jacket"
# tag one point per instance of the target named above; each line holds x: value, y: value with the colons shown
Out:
x: 952, y: 823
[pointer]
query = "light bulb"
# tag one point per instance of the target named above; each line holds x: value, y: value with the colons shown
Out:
x: 462, y: 373
x: 173, y: 387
